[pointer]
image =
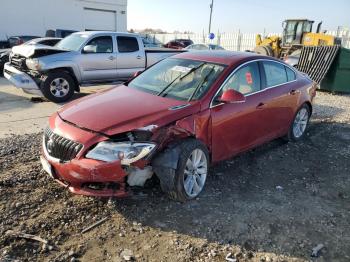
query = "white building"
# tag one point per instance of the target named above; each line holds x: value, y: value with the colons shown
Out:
x: 34, y: 17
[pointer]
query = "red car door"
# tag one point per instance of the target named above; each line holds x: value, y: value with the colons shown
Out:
x: 239, y: 126
x: 278, y: 97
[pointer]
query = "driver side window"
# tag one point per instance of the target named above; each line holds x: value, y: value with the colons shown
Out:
x: 101, y: 44
x: 245, y: 80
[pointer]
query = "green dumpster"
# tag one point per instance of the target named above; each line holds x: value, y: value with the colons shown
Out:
x: 337, y: 78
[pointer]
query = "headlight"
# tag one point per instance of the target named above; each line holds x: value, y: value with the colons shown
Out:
x: 33, y: 64
x: 126, y: 152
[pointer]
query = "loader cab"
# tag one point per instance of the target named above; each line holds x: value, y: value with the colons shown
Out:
x: 294, y: 29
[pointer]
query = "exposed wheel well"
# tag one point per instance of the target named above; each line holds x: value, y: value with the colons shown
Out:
x: 70, y: 71
x: 309, y: 105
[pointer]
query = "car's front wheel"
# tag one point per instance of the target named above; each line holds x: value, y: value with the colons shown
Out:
x: 58, y: 87
x: 190, y: 176
x: 300, y: 123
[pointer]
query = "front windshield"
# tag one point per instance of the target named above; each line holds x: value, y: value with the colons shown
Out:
x: 181, y: 79
x: 72, y: 42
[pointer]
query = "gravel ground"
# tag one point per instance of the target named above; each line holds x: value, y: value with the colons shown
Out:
x: 273, y: 203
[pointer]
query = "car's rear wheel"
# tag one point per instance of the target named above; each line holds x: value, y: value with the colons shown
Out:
x: 58, y: 87
x: 300, y: 122
x: 190, y: 176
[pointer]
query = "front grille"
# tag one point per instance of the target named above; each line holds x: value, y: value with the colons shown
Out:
x: 60, y: 147
x: 18, y: 61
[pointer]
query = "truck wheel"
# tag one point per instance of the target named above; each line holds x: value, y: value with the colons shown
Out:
x: 188, y: 179
x: 58, y: 87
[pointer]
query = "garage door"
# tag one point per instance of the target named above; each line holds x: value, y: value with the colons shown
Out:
x: 97, y: 19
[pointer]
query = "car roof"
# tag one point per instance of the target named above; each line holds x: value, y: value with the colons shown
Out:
x: 222, y: 56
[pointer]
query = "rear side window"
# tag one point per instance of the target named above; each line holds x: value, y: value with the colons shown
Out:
x: 246, y: 80
x: 275, y: 73
x: 290, y: 74
x: 127, y: 44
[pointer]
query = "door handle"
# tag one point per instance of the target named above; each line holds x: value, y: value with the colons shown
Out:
x: 139, y: 57
x: 293, y: 92
x: 111, y: 57
x: 260, y: 105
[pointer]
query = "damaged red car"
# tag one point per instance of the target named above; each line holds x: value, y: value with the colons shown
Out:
x: 173, y: 121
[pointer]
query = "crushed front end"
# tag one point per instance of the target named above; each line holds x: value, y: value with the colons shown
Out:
x: 93, y: 164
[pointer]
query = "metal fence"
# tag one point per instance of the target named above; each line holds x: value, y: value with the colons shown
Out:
x: 237, y: 41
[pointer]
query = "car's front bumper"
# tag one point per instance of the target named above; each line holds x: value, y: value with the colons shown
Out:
x: 89, y: 177
x: 82, y: 175
x: 21, y: 80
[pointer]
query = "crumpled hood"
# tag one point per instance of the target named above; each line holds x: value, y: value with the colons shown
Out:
x: 121, y: 109
x: 37, y: 50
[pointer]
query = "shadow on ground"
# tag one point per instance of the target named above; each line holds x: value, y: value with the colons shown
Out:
x: 280, y: 198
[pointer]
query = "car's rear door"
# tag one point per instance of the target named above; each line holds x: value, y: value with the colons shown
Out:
x: 131, y: 56
x: 239, y: 126
x: 99, y: 63
x: 280, y: 90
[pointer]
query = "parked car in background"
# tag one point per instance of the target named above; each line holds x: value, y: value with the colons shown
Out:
x: 5, y: 53
x: 61, y: 33
x: 174, y: 120
x: 204, y: 47
x: 149, y: 42
x: 18, y: 40
x: 178, y: 43
x: 4, y: 44
x: 80, y: 58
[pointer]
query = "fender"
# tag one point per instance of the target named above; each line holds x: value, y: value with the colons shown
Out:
x: 63, y: 64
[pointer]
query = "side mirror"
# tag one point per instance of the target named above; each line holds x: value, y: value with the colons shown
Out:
x: 232, y: 96
x: 89, y: 49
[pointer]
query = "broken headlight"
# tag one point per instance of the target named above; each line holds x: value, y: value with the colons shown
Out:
x: 126, y: 152
x: 34, y: 64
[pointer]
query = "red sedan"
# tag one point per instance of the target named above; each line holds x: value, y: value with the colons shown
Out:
x: 173, y: 121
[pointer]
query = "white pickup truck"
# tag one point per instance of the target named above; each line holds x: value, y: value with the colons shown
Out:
x: 81, y: 58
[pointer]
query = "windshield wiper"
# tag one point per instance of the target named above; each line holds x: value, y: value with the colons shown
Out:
x: 180, y: 77
x: 205, y: 79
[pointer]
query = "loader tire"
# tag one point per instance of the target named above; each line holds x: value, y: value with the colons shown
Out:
x: 264, y: 50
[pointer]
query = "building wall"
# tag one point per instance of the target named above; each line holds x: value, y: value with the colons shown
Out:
x: 34, y: 17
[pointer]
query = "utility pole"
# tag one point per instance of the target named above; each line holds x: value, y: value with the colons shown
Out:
x: 211, y: 12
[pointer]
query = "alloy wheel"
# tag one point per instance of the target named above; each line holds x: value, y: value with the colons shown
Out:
x: 300, y: 122
x: 196, y: 170
x: 59, y: 87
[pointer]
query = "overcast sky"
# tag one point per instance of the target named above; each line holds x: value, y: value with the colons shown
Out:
x: 230, y: 16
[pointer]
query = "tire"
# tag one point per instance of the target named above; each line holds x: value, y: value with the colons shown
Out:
x: 297, y: 130
x: 175, y: 187
x: 58, y: 86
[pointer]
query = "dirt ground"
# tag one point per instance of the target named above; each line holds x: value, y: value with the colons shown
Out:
x: 274, y: 203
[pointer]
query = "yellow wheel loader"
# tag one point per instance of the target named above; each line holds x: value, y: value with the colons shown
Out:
x: 296, y: 34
